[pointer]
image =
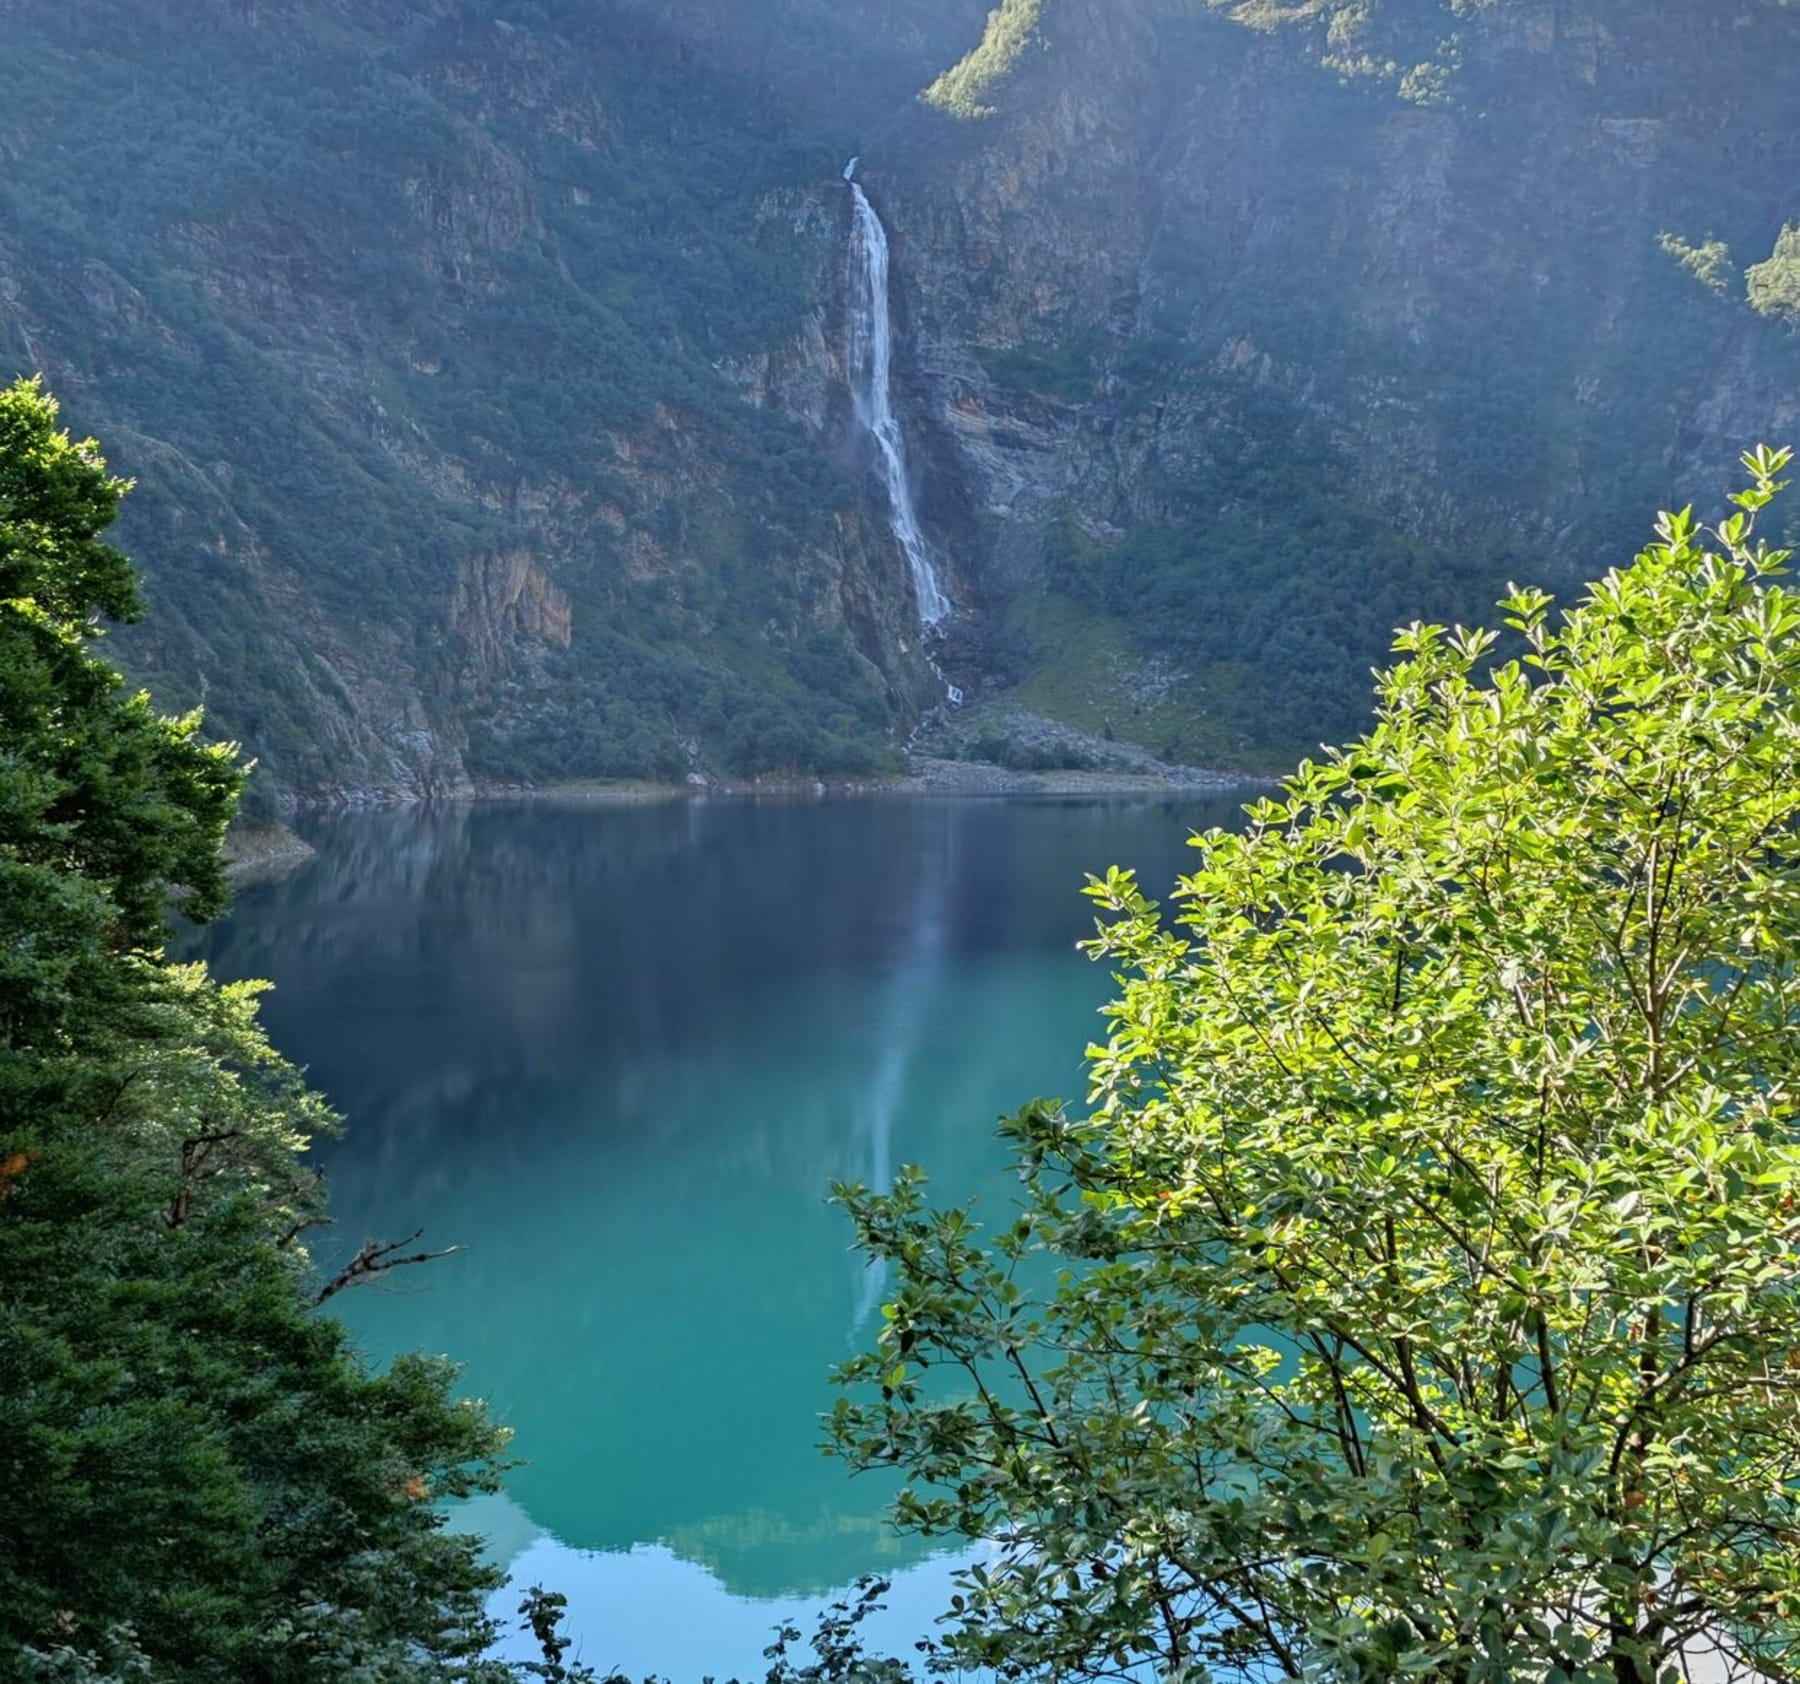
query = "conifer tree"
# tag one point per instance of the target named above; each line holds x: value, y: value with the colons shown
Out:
x: 199, y: 1480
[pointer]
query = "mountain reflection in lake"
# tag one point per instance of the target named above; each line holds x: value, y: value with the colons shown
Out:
x: 618, y: 1053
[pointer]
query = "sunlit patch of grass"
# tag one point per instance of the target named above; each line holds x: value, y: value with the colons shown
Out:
x: 963, y: 89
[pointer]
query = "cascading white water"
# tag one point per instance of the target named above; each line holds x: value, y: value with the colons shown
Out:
x: 871, y: 375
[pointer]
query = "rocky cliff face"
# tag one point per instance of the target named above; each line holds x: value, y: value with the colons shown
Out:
x: 481, y: 360
x: 1301, y: 359
x: 479, y: 367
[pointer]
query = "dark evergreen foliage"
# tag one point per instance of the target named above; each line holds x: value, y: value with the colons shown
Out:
x: 199, y: 1480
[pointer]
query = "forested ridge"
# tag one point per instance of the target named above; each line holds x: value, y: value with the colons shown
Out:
x: 405, y: 310
x: 500, y: 347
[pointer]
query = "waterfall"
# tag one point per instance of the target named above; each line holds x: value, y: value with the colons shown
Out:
x: 871, y: 375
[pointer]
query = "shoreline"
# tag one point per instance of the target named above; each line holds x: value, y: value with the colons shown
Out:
x: 266, y: 852
x: 930, y: 778
x: 256, y: 853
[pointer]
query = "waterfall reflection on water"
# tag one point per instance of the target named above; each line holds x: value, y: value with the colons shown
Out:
x: 901, y: 1013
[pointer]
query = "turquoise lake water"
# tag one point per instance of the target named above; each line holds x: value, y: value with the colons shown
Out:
x: 618, y: 1053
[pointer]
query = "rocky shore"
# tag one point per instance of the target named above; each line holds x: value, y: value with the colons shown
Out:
x: 975, y: 777
x: 257, y: 852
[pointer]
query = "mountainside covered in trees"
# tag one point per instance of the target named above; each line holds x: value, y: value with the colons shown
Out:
x: 481, y: 361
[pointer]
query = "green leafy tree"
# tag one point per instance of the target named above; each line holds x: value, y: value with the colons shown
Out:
x: 1412, y: 45
x: 1774, y: 284
x: 1709, y: 261
x: 1419, y: 1297
x: 199, y: 1480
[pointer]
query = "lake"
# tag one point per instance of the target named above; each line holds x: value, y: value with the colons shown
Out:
x: 618, y: 1053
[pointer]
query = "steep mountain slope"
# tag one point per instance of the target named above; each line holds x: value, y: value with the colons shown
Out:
x: 1234, y: 365
x: 481, y: 361
x: 443, y: 340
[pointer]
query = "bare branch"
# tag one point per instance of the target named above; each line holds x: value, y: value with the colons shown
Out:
x: 376, y: 1257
